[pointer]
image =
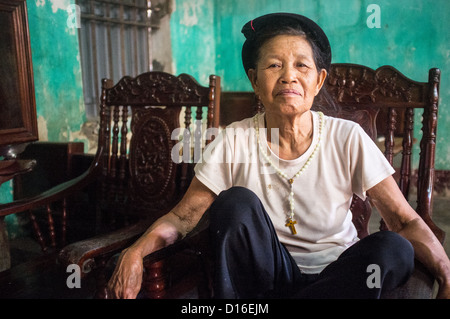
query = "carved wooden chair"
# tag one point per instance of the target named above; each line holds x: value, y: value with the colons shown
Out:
x: 145, y: 162
x: 142, y: 167
x: 386, y: 103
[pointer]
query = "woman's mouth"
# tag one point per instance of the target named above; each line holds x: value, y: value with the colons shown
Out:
x: 287, y: 92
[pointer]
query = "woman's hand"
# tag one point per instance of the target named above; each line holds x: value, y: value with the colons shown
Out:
x: 127, y: 277
x: 401, y: 217
x: 126, y: 280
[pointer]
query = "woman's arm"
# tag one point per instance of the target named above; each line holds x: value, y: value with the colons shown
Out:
x: 127, y: 277
x: 400, y: 217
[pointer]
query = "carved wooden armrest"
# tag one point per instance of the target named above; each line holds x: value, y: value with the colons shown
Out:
x: 58, y: 193
x: 93, y: 255
x: 55, y: 193
x: 85, y: 252
x: 90, y: 253
x: 11, y: 168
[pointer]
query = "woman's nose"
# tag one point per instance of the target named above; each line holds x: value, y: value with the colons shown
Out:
x: 288, y: 75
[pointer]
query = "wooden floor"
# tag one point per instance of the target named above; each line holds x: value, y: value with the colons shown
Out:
x: 36, y: 275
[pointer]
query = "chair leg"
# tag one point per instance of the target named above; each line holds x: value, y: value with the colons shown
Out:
x: 101, y: 278
x: 37, y: 231
x: 154, y: 281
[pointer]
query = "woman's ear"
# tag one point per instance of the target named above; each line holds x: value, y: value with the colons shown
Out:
x: 252, y: 77
x: 321, y: 80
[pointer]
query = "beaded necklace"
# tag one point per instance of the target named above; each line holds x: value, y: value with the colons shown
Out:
x: 290, y: 220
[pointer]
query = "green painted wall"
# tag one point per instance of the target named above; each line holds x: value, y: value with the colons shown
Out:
x: 413, y: 38
x: 193, y: 30
x: 57, y: 71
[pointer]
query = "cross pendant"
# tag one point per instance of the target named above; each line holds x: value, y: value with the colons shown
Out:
x: 291, y: 224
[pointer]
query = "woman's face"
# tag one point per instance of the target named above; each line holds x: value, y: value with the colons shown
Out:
x: 286, y: 78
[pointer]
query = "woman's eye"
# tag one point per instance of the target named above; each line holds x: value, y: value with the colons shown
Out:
x: 302, y: 65
x: 274, y: 65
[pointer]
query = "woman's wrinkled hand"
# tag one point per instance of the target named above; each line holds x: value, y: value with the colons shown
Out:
x: 125, y: 283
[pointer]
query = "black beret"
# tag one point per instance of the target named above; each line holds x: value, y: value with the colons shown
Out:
x: 254, y: 28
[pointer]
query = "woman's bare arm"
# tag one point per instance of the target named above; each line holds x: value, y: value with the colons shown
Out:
x: 400, y: 217
x: 127, y: 277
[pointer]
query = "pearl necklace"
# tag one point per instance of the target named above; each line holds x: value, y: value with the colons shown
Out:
x: 290, y: 220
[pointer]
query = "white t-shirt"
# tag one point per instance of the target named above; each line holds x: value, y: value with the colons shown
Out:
x: 347, y: 162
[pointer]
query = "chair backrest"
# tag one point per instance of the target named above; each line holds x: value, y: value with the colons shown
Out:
x: 145, y: 140
x: 386, y: 103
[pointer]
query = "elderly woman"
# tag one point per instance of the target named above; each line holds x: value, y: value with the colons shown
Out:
x: 278, y: 188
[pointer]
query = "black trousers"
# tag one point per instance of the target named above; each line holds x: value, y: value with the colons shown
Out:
x: 250, y: 262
